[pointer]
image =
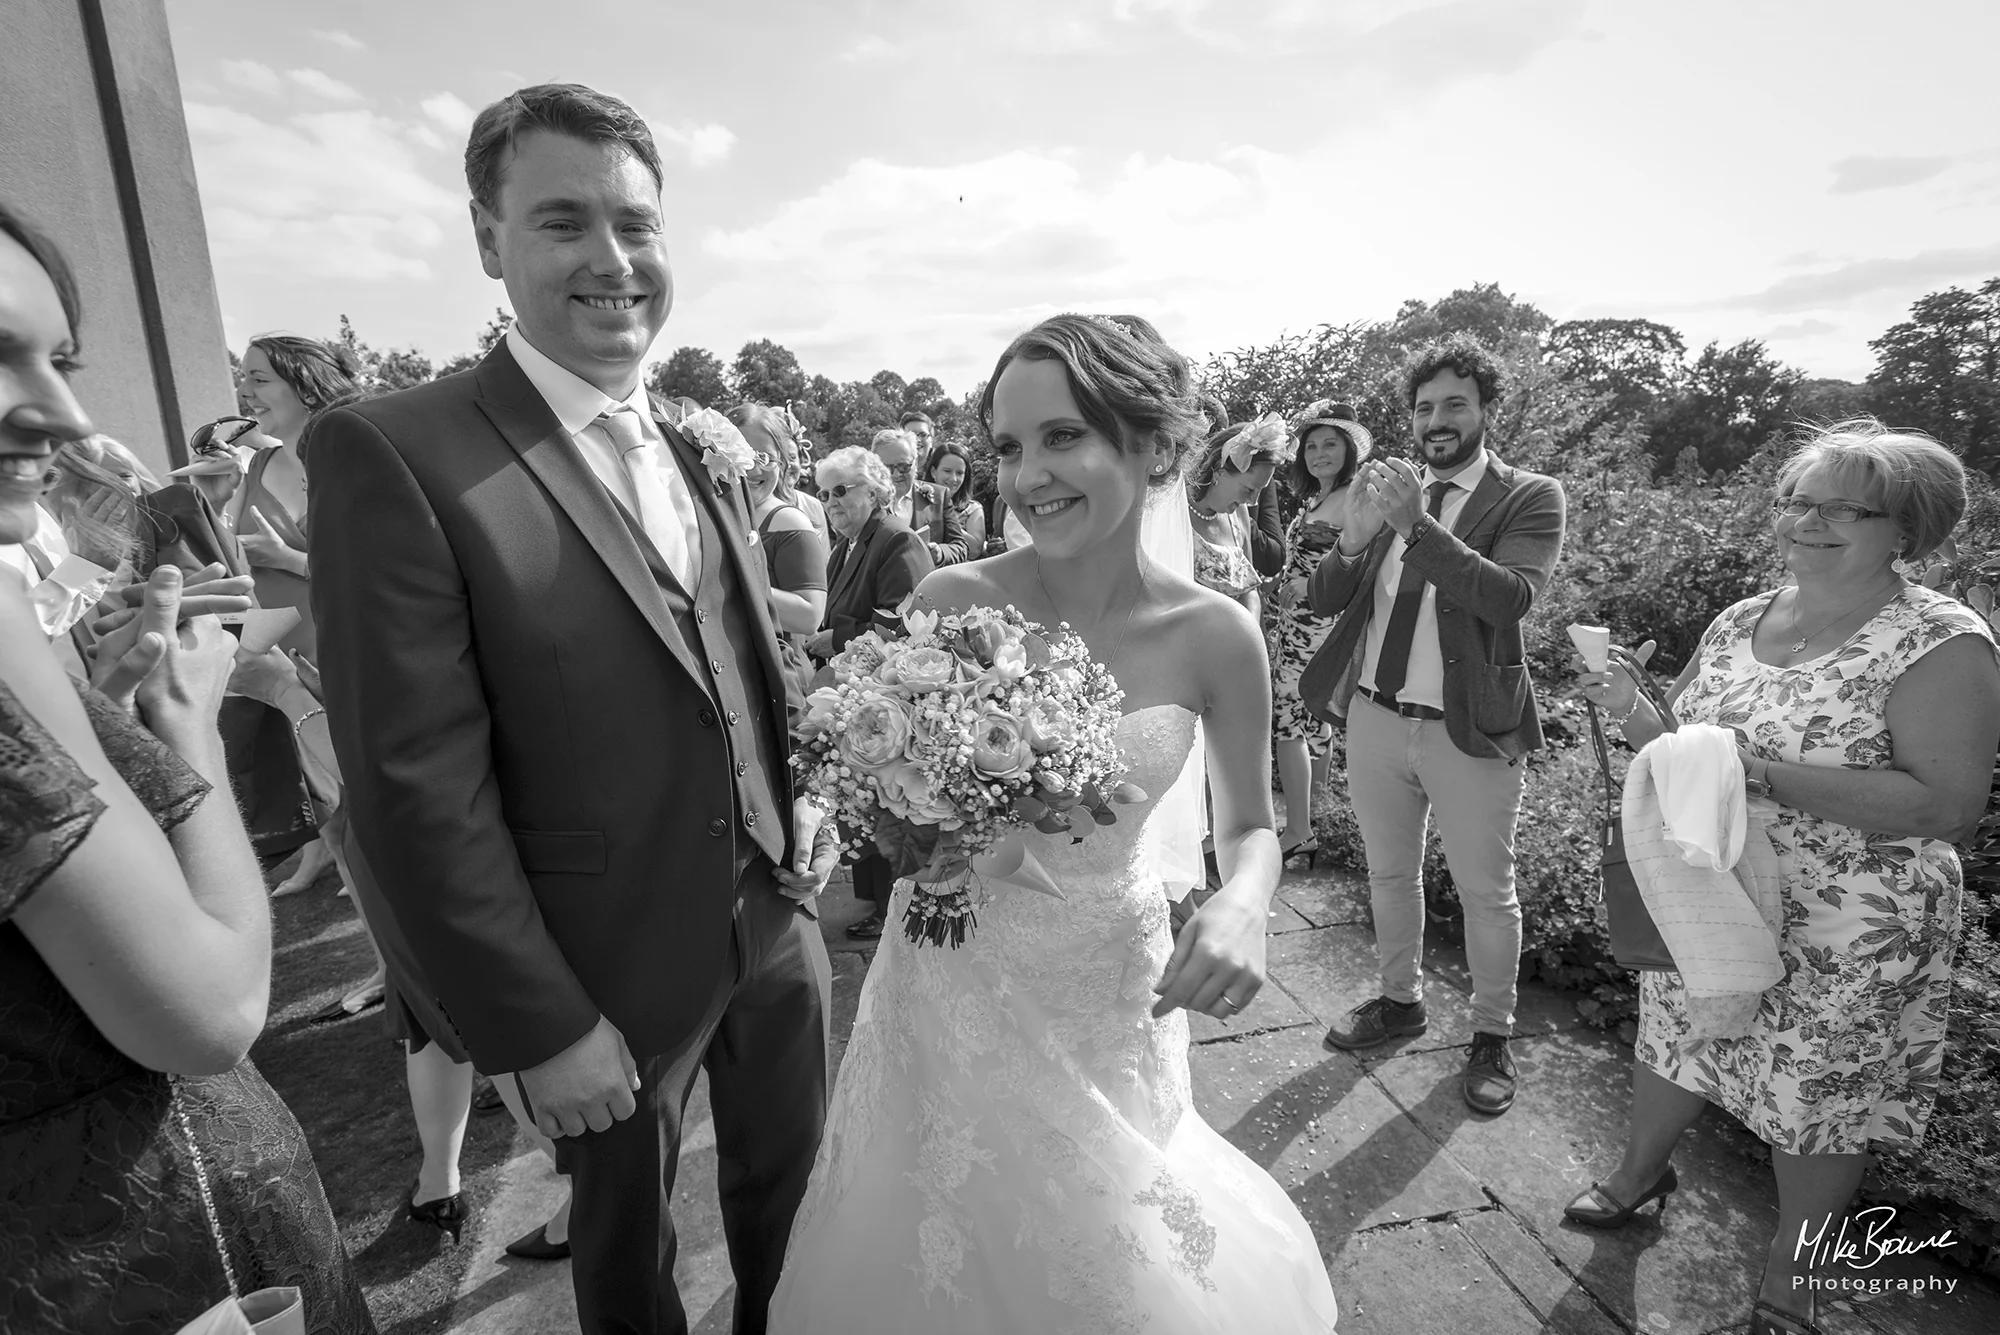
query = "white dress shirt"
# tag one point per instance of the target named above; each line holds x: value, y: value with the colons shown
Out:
x: 1423, y: 682
x: 577, y: 405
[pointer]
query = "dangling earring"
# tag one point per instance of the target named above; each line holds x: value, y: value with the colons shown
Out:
x: 1899, y: 567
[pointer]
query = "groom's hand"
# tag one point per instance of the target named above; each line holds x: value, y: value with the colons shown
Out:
x: 818, y: 852
x: 585, y: 1087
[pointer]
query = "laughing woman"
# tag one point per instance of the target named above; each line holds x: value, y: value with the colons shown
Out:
x: 1868, y: 710
x: 145, y: 1165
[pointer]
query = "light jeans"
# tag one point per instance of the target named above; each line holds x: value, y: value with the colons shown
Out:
x: 1398, y: 769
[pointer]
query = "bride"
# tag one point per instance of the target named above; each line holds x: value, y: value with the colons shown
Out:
x: 1012, y: 1147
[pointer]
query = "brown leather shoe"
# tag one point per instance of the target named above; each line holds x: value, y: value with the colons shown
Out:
x: 1373, y: 1023
x: 1489, y: 1075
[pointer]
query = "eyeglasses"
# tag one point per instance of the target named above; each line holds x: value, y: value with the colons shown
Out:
x: 1833, y: 512
x: 901, y: 470
x: 213, y: 438
x: 838, y: 490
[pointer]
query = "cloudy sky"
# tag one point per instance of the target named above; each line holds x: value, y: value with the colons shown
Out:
x: 906, y: 183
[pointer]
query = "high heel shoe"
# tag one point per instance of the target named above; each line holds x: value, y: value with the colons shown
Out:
x: 447, y: 1213
x: 1309, y: 846
x: 1583, y: 1211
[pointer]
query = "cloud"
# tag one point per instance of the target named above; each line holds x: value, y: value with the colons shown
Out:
x: 450, y: 112
x: 871, y: 47
x: 253, y: 76
x: 328, y: 195
x: 1835, y: 287
x: 702, y: 145
x: 1467, y: 37
x: 955, y: 259
x: 346, y: 41
x: 1804, y: 329
x: 325, y: 85
x: 1852, y: 176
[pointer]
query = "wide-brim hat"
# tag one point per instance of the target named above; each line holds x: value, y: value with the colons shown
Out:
x: 1334, y: 413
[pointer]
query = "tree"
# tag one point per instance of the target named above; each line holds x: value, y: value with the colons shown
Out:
x: 768, y: 373
x: 891, y: 387
x: 1827, y: 401
x: 694, y: 373
x: 496, y: 329
x: 380, y: 372
x: 1732, y: 402
x: 1939, y: 371
x: 1633, y: 364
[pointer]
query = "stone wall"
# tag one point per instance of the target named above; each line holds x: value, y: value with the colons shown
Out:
x: 94, y: 150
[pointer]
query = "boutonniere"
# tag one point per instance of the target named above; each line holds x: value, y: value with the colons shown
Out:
x: 724, y: 452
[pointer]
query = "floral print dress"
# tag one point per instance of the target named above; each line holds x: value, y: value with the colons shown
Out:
x: 1847, y: 1048
x: 1296, y: 634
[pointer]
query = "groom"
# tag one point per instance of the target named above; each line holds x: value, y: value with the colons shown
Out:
x: 555, y: 689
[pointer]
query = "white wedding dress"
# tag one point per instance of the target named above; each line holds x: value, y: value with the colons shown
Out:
x: 1012, y: 1147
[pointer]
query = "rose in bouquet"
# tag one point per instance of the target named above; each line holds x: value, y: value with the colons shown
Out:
x: 934, y: 747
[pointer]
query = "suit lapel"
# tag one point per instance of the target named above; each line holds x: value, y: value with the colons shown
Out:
x: 857, y: 557
x: 523, y: 419
x: 1499, y: 480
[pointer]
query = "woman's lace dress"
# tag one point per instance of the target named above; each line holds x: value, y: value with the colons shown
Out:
x: 1012, y: 1145
x: 101, y: 1221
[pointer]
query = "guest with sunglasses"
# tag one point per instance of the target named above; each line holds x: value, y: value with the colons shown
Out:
x: 876, y: 564
x: 1867, y: 710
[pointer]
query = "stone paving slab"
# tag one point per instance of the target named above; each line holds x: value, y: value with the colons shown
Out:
x: 1326, y: 1131
x: 1325, y: 897
x: 1426, y: 1279
x: 1556, y: 1297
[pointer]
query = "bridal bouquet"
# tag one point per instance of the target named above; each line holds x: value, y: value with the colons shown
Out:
x: 933, y: 747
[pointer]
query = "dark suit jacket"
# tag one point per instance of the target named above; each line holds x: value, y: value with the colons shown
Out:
x: 938, y: 524
x: 861, y: 595
x: 1267, y: 533
x: 534, y: 766
x: 1488, y: 571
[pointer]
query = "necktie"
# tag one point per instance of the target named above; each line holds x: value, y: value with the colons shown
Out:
x: 1394, y: 663
x: 666, y: 511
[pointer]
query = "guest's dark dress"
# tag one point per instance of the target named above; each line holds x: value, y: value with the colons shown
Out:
x: 101, y: 1222
x: 280, y: 588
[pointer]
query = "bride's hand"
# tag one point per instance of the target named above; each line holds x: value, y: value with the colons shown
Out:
x: 1218, y: 964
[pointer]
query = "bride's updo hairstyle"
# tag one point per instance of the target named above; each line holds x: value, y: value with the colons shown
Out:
x: 1125, y: 379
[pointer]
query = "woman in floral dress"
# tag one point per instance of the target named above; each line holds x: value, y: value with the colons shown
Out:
x: 1330, y: 446
x: 1228, y: 472
x: 1869, y: 710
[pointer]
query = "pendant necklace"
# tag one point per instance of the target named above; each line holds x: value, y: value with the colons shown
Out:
x: 1799, y: 645
x: 1124, y: 627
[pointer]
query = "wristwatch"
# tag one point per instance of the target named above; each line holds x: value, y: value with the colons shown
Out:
x: 1756, y: 777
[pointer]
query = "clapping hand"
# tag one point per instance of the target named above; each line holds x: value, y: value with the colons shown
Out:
x: 263, y: 547
x: 1393, y: 494
x: 209, y: 591
x: 163, y: 661
x: 817, y: 853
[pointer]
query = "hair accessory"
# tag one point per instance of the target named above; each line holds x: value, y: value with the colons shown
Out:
x: 1267, y: 435
x: 1110, y: 323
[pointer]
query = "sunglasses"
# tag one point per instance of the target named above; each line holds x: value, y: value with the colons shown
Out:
x: 841, y: 489
x: 213, y: 438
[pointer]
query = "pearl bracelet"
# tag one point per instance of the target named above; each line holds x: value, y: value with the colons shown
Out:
x: 1622, y: 719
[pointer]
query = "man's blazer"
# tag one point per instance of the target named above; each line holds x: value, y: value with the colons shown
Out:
x: 1488, y: 571
x: 889, y: 561
x: 536, y: 767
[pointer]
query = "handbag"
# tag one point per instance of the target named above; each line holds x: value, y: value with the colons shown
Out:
x: 276, y: 1311
x: 1635, y: 938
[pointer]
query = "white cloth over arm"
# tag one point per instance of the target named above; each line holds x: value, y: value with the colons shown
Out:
x: 1720, y: 922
